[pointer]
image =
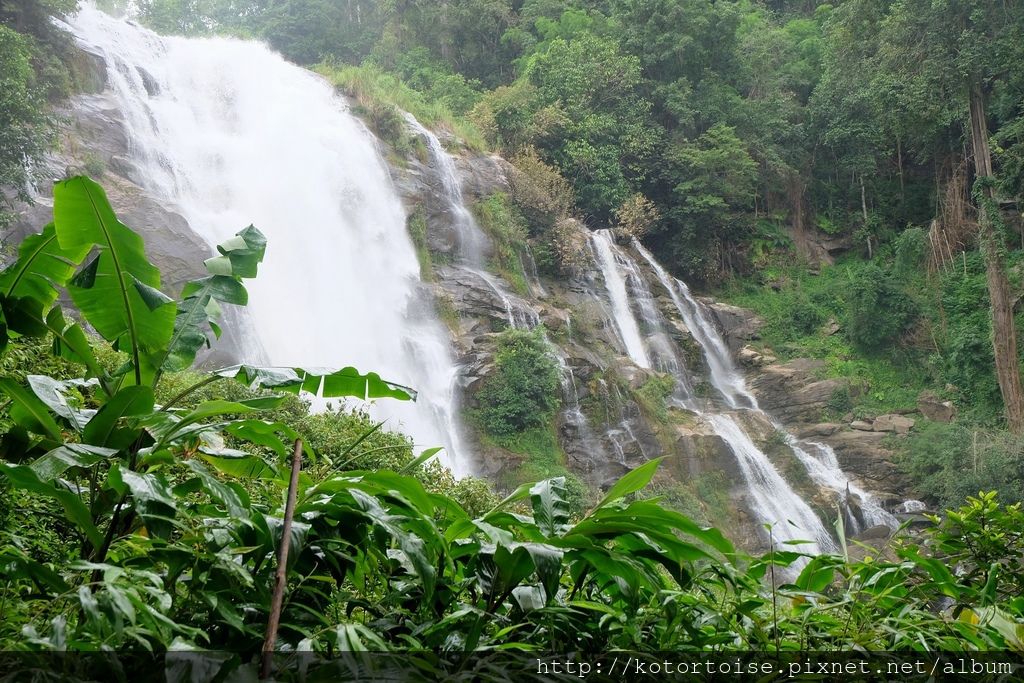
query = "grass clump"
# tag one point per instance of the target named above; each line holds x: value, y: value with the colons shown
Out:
x: 372, y: 88
x: 503, y: 222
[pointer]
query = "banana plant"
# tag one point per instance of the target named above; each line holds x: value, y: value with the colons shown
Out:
x: 100, y: 446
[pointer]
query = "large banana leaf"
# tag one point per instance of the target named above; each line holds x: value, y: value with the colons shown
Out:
x: 347, y: 382
x: 117, y: 291
x: 43, y: 266
x: 70, y: 342
x: 199, y: 309
x: 28, y: 412
x: 30, y: 285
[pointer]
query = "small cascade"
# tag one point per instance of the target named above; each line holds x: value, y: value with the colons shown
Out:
x: 824, y: 467
x: 532, y: 274
x: 792, y: 520
x: 572, y: 413
x: 473, y: 243
x: 774, y: 500
x: 723, y: 374
x: 825, y: 471
x: 625, y: 321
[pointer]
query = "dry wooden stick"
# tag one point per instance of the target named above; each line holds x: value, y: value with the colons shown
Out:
x: 280, y: 577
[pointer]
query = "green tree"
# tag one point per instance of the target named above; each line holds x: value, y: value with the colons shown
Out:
x: 878, y: 310
x: 954, y: 49
x: 712, y: 182
x: 26, y: 127
x: 604, y: 138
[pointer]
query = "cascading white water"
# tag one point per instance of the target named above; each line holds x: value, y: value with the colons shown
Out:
x: 729, y: 382
x: 473, y: 243
x: 722, y: 372
x: 231, y: 134
x: 615, y: 283
x: 772, y: 498
x: 825, y: 470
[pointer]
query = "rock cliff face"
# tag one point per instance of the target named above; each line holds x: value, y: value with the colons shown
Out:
x: 614, y: 415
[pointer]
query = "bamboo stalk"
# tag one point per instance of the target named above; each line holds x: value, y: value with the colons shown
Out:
x: 280, y: 577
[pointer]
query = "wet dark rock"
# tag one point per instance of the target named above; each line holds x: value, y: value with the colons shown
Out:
x: 793, y: 391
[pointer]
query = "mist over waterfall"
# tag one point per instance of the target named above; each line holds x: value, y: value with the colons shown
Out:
x: 230, y: 134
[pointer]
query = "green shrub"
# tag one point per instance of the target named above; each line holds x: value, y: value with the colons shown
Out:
x: 523, y: 391
x: 840, y: 401
x: 417, y: 227
x: 802, y: 317
x: 505, y: 225
x: 373, y: 87
x: 878, y: 310
x: 652, y: 396
x: 949, y: 462
x: 539, y: 191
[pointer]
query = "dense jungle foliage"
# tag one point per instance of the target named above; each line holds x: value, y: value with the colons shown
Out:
x: 821, y: 163
x: 150, y: 514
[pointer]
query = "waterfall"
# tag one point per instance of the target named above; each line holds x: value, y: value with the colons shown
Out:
x: 773, y: 500
x: 723, y: 374
x: 824, y: 469
x: 608, y: 258
x: 230, y: 134
x: 473, y: 243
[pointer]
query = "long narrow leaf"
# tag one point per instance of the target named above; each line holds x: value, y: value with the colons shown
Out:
x: 28, y: 411
x: 43, y: 266
x: 347, y: 382
x: 631, y: 482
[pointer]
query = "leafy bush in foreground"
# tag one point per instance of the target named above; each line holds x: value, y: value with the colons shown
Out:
x: 170, y: 531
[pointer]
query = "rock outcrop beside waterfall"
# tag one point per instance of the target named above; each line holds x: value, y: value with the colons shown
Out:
x: 95, y: 142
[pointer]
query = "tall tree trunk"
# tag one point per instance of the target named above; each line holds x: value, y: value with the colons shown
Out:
x: 899, y: 164
x: 1004, y: 333
x: 445, y: 35
x: 864, y: 212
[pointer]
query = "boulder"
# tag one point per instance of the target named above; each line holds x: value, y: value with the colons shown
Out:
x: 751, y: 357
x: 863, y: 455
x: 935, y: 409
x: 793, y: 391
x: 482, y: 175
x: 894, y: 423
x: 475, y: 295
x: 738, y: 325
x: 820, y: 429
x: 633, y: 375
x: 554, y: 319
